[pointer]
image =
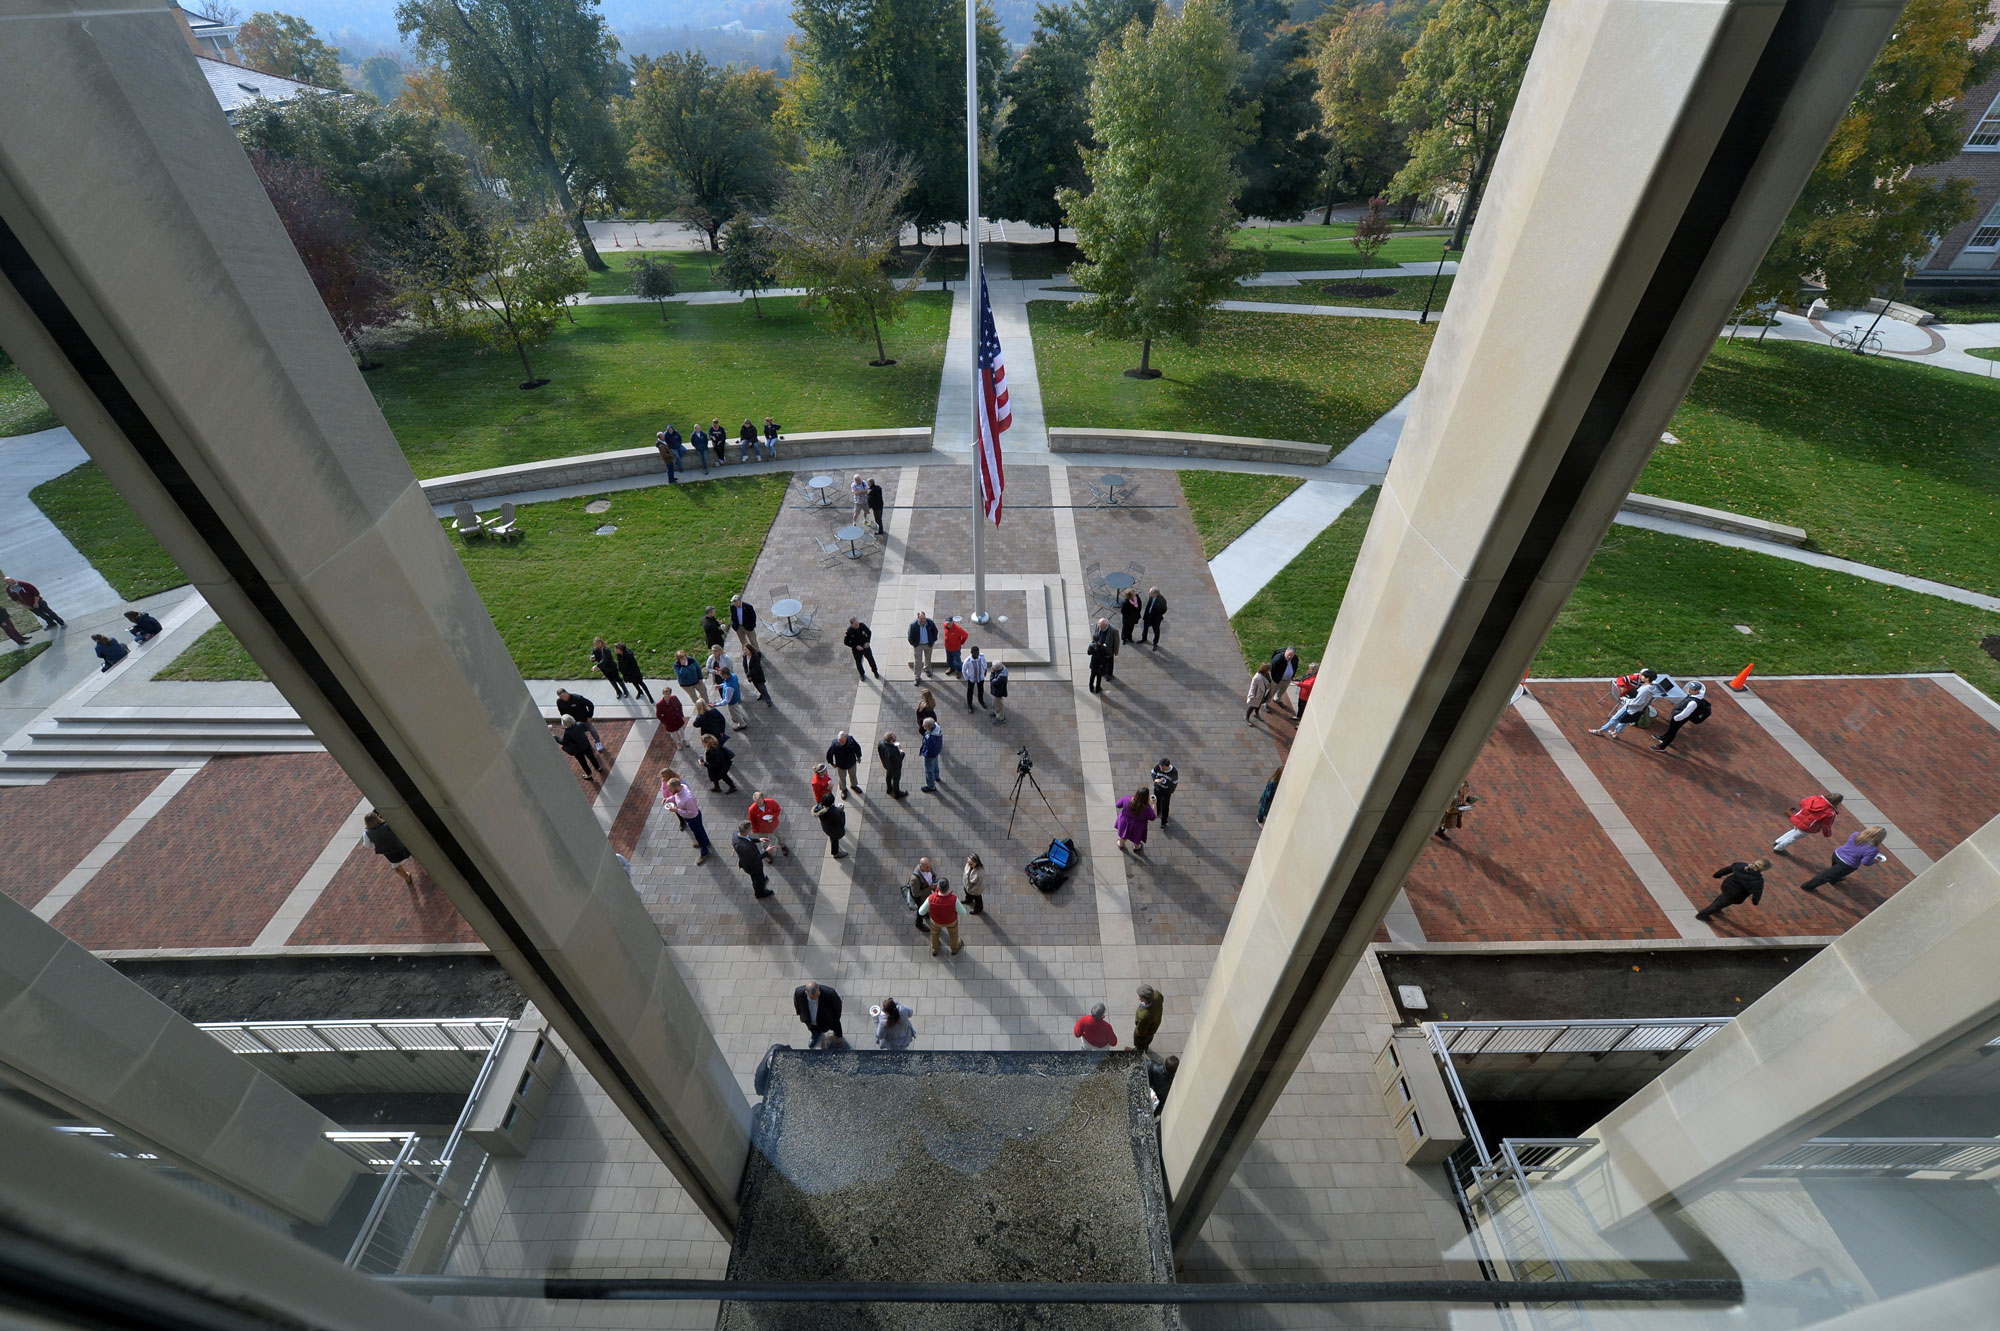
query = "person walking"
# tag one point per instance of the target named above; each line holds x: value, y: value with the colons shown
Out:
x: 818, y: 1006
x: 575, y: 741
x: 1130, y: 608
x: 954, y: 641
x: 712, y: 632
x: 384, y: 841
x: 765, y: 814
x: 1135, y: 812
x: 1270, y: 793
x: 8, y: 627
x: 1146, y: 1021
x: 679, y: 797
x: 1741, y: 882
x: 753, y: 670
x: 833, y: 822
x: 857, y: 638
x: 144, y: 628
x: 974, y: 894
x: 672, y: 718
x: 1166, y: 779
x: 875, y: 506
x: 1630, y: 710
x: 973, y: 672
x: 941, y: 907
x: 931, y: 749
x: 717, y: 758
x: 1694, y: 709
x: 893, y: 1028
x: 1284, y: 670
x: 1100, y: 664
x: 668, y: 442
x: 845, y: 755
x: 1153, y: 616
x: 1092, y: 1031
x: 628, y: 669
x: 606, y: 662
x: 687, y: 674
x: 996, y: 684
x: 29, y: 597
x: 1306, y: 682
x: 923, y: 640
x: 1812, y: 815
x: 890, y: 754
x: 1109, y: 637
x: 1857, y: 852
x: 1258, y: 696
x: 857, y: 490
x: 743, y: 618
x: 926, y: 707
x: 708, y: 721
x: 582, y: 709
x: 752, y: 854
x: 1454, y: 817
x: 729, y: 692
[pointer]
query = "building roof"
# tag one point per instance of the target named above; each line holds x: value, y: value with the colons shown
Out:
x: 237, y: 86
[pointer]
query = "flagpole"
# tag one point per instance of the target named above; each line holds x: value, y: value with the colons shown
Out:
x: 973, y: 290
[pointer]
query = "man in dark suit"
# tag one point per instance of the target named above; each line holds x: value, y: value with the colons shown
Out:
x: 1284, y: 673
x: 1155, y: 615
x: 751, y: 853
x: 818, y: 1006
x: 743, y: 618
x: 1108, y: 638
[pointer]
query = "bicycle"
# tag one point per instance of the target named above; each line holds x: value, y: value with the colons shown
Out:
x: 1859, y: 342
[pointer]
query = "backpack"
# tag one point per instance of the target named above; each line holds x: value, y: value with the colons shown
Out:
x: 1701, y: 711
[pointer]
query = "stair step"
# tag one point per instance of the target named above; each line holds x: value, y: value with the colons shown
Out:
x: 124, y: 735
x: 42, y: 750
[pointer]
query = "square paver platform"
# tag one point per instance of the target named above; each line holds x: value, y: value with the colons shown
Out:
x: 953, y: 1167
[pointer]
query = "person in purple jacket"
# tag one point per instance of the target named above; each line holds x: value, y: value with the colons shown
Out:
x: 1860, y: 850
x: 1135, y: 812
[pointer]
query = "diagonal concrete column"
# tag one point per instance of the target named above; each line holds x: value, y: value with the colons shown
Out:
x: 149, y: 292
x: 1655, y: 148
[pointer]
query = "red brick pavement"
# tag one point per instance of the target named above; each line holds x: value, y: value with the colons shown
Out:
x: 613, y: 734
x: 1918, y: 754
x: 219, y: 860
x: 48, y: 829
x: 1719, y: 795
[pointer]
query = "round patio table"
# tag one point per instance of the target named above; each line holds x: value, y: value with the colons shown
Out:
x: 787, y: 610
x: 851, y: 535
x: 819, y: 485
x: 1119, y: 583
x: 1112, y: 484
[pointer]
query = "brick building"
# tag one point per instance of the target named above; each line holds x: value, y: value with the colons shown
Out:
x: 1970, y: 252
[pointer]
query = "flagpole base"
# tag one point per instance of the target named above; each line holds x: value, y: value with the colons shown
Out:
x: 981, y: 617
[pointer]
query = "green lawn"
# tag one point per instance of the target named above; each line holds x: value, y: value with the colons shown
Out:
x: 692, y: 268
x: 1224, y: 504
x: 1311, y: 246
x: 22, y: 410
x: 1270, y: 376
x: 1881, y: 461
x: 1038, y: 263
x: 677, y: 549
x: 1652, y: 597
x: 620, y: 374
x: 99, y: 522
x: 1971, y: 307
x: 1984, y: 353
x: 19, y: 657
x: 1409, y: 294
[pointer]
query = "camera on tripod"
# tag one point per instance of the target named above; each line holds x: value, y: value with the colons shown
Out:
x: 1026, y: 765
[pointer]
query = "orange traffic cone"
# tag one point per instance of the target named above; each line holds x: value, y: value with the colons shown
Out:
x: 1742, y: 678
x: 614, y: 239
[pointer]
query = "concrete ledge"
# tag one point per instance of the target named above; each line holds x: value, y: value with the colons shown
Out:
x: 625, y: 463
x: 1161, y: 443
x: 1908, y: 314
x: 1736, y: 523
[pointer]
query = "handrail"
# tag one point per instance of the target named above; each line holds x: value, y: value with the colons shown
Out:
x: 381, y: 1202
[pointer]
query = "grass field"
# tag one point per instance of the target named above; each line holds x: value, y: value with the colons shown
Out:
x: 1224, y: 504
x: 1659, y: 598
x: 99, y: 522
x: 620, y: 374
x: 693, y: 269
x: 677, y: 549
x: 1311, y: 247
x: 22, y: 410
x: 1271, y: 376
x: 1409, y: 294
x: 1984, y: 353
x: 1884, y: 462
x: 19, y: 657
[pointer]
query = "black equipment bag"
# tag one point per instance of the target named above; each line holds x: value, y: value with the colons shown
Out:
x: 1048, y: 870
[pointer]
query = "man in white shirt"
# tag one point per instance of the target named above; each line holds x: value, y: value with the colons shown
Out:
x: 1631, y: 709
x: 973, y: 671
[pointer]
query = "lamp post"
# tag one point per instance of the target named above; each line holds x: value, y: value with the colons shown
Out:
x: 1443, y: 254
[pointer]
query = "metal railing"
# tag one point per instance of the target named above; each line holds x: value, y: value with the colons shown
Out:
x: 1896, y: 1157
x: 325, y: 1057
x: 1663, y: 1036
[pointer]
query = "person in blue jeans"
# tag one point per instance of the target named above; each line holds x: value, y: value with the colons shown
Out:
x: 698, y: 440
x: 668, y: 441
x: 932, y: 748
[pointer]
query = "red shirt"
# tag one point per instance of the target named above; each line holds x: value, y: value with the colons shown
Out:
x: 668, y: 709
x: 943, y: 907
x: 764, y: 816
x: 1815, y: 815
x: 1306, y: 686
x: 822, y: 787
x: 1095, y: 1032
x: 954, y: 636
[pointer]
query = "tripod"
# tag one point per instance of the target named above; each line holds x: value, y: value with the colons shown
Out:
x: 1025, y: 772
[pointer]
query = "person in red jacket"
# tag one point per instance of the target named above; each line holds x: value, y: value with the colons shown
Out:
x: 764, y: 813
x: 1306, y: 690
x: 822, y: 784
x: 954, y: 642
x: 941, y: 908
x: 673, y: 719
x: 1093, y: 1030
x: 1815, y: 813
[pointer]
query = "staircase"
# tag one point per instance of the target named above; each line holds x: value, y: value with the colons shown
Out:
x: 128, y: 738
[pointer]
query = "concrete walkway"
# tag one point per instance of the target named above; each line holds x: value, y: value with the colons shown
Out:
x: 1277, y: 538
x: 30, y: 545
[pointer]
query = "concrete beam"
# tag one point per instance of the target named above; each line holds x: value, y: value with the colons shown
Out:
x: 1655, y: 149
x: 148, y: 290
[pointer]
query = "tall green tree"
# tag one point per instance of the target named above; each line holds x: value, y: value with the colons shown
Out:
x: 1865, y: 217
x: 1457, y: 93
x: 1045, y: 121
x: 286, y: 45
x: 534, y: 79
x: 1360, y: 67
x: 888, y: 76
x: 1156, y: 227
x: 835, y: 227
x: 1282, y: 163
x: 382, y: 78
x: 705, y: 133
x: 749, y: 259
x: 503, y: 285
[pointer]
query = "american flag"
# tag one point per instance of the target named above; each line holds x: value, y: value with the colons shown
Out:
x: 994, y: 413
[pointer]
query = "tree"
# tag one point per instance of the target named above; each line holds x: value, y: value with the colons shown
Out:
x: 653, y: 279
x: 835, y: 227
x: 1360, y: 66
x: 708, y: 132
x: 534, y: 79
x: 1865, y: 217
x: 1282, y: 162
x: 506, y: 286
x: 382, y: 78
x: 333, y: 247
x: 1157, y: 224
x: 888, y: 76
x: 1458, y: 90
x: 287, y: 46
x: 749, y: 260
x: 1371, y: 233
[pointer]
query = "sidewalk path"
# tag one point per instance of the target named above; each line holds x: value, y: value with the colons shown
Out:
x: 1277, y: 538
x: 30, y: 545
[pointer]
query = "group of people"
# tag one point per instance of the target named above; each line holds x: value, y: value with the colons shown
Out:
x: 1271, y: 685
x: 680, y: 453
x: 141, y: 624
x: 1639, y: 691
x: 1813, y: 815
x: 1148, y: 616
x: 985, y: 678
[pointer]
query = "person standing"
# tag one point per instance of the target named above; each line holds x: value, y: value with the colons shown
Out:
x: 752, y: 854
x: 926, y: 707
x: 818, y: 1006
x: 1270, y: 793
x: 1741, y: 882
x: 1160, y: 1080
x: 1166, y: 779
x: 628, y: 669
x: 680, y: 798
x: 857, y: 490
x: 765, y: 813
x: 1694, y: 709
x: 743, y: 618
x: 974, y: 894
x: 1093, y: 1031
x: 1306, y: 682
x: 893, y: 1027
x: 875, y: 506
x: 822, y: 784
x: 687, y: 674
x: 1100, y: 664
x: 833, y: 822
x: 890, y: 753
x: 923, y: 640
x: 1146, y: 1021
x: 607, y: 666
x: 668, y: 441
x: 942, y: 909
x: 708, y: 721
x: 1454, y: 817
x: 973, y: 672
x: 845, y: 755
x: 730, y: 695
x: 29, y: 597
x: 8, y: 627
x: 917, y: 892
x: 383, y: 840
x: 1153, y: 616
x: 1813, y: 815
x: 753, y: 670
x: 717, y: 758
x: 573, y: 740
x: 672, y: 718
x: 712, y: 631
x: 1258, y: 695
x: 1109, y: 637
x: 717, y: 663
x: 582, y: 710
x: 1135, y: 812
x: 1284, y: 670
x: 954, y: 641
x: 931, y: 749
x: 857, y: 638
x: 996, y: 683
x: 1858, y: 852
x: 1130, y: 609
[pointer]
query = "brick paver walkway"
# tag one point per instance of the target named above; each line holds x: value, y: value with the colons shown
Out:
x: 49, y: 829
